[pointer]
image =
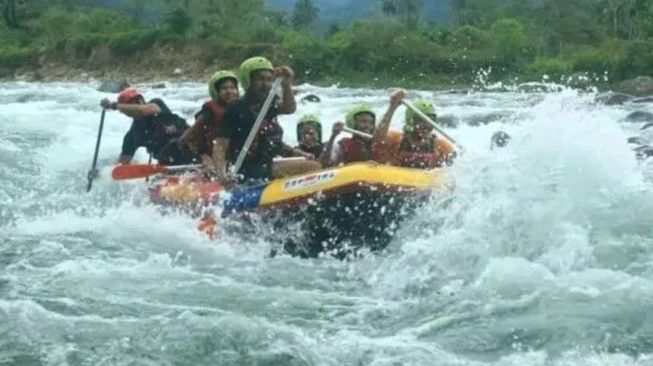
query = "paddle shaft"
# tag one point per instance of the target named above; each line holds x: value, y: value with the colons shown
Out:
x: 177, y: 168
x: 435, y: 125
x: 149, y: 161
x: 357, y: 132
x: 97, y: 150
x: 252, y: 134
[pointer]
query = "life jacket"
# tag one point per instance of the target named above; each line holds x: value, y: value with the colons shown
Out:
x: 386, y: 151
x: 161, y: 129
x: 259, y: 158
x: 353, y: 150
x: 315, y: 150
x: 430, y: 153
x: 209, y: 127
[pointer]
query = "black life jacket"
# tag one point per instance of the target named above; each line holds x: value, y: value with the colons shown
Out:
x: 161, y: 129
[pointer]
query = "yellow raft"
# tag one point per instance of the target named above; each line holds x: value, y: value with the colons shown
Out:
x: 341, y: 209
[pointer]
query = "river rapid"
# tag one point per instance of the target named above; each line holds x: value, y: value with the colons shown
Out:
x: 542, y: 255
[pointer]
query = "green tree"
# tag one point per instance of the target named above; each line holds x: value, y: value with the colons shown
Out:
x: 509, y: 37
x: 408, y: 11
x: 9, y: 13
x: 178, y: 21
x: 304, y: 13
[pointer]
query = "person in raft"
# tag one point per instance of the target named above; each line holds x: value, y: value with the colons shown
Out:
x: 309, y: 138
x: 351, y: 149
x: 257, y: 76
x: 196, y: 144
x: 418, y: 146
x: 153, y: 124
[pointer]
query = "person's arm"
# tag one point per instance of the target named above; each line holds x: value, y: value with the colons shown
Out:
x: 325, y: 158
x: 288, y: 151
x: 381, y: 131
x: 129, y: 147
x: 188, y: 139
x: 191, y: 139
x: 225, y: 132
x: 219, y: 158
x: 132, y: 110
x: 288, y: 103
x: 124, y: 159
x: 137, y: 110
x: 444, y: 151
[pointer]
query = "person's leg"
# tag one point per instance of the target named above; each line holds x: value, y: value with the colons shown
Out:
x: 287, y: 168
x: 173, y: 154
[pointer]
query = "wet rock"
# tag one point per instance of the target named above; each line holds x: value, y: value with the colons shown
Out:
x: 37, y: 76
x: 612, y: 98
x: 538, y: 87
x: 447, y: 121
x: 636, y: 140
x: 23, y: 77
x: 159, y: 86
x: 639, y: 116
x: 499, y: 139
x: 312, y: 98
x: 456, y: 91
x: 647, y: 126
x: 640, y: 86
x: 643, y: 152
x: 113, y: 86
x: 483, y: 119
x: 644, y: 100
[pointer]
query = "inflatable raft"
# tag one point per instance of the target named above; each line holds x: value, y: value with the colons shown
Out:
x: 339, y: 211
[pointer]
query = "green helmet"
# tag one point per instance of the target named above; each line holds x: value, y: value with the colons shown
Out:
x: 423, y: 106
x: 362, y: 108
x: 218, y: 77
x: 309, y: 119
x: 253, y: 64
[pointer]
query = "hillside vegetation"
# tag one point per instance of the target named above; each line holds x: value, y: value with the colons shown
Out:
x: 513, y: 38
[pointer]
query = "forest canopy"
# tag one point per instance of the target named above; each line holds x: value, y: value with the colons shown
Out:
x: 526, y: 38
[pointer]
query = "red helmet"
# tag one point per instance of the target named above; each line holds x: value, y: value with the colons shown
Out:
x: 128, y: 95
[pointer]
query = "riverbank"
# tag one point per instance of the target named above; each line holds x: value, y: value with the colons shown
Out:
x: 138, y: 73
x: 185, y: 71
x: 192, y: 63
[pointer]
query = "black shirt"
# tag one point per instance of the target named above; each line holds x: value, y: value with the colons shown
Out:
x: 315, y: 150
x: 141, y: 133
x: 238, y: 122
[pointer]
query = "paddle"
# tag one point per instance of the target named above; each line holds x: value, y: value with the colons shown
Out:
x: 357, y: 132
x: 252, y: 134
x: 149, y: 161
x: 135, y: 171
x: 435, y: 125
x: 95, y: 154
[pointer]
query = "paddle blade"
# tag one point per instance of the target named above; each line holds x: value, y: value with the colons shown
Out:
x: 135, y: 171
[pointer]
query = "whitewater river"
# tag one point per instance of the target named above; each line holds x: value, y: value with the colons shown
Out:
x: 543, y: 255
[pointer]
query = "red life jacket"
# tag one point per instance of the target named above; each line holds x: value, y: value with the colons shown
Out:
x: 210, y: 127
x: 430, y: 153
x: 353, y: 150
